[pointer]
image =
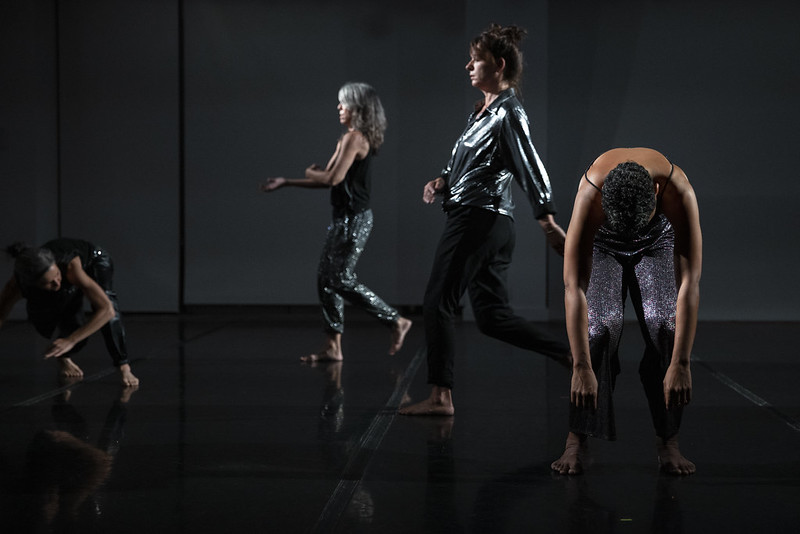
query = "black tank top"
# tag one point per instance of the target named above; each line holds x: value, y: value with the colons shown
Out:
x: 351, y: 195
x: 64, y: 251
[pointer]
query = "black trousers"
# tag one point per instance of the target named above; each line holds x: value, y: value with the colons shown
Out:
x: 473, y: 255
x: 50, y: 311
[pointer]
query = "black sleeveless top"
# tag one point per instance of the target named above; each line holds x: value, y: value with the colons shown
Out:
x: 351, y: 195
x: 64, y: 251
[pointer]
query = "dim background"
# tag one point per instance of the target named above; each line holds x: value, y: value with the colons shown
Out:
x: 146, y: 126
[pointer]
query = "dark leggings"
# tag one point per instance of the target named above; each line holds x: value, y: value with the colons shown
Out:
x: 67, y: 316
x: 474, y: 254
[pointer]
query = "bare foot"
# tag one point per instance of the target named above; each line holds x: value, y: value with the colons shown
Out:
x: 570, y: 462
x: 67, y: 368
x: 329, y: 354
x: 332, y: 352
x: 439, y: 403
x: 399, y: 331
x: 128, y: 380
x: 671, y: 459
x: 126, y: 393
x: 66, y: 381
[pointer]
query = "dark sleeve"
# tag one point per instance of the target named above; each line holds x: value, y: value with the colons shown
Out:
x: 522, y: 160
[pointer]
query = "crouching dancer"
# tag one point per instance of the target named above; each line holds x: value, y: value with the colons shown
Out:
x: 54, y: 279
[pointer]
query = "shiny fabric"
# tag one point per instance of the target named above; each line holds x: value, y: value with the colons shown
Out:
x: 336, y: 276
x: 644, y: 268
x: 63, y: 309
x: 493, y: 150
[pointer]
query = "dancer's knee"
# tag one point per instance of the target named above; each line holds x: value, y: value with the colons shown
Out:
x: 489, y: 321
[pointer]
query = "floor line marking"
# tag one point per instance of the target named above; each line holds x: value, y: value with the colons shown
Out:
x: 747, y: 394
x: 362, y: 454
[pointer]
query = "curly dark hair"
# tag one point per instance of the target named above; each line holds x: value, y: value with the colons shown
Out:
x: 30, y: 263
x: 628, y: 198
x: 503, y: 42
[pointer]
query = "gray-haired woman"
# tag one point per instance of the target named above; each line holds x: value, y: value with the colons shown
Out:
x: 348, y: 176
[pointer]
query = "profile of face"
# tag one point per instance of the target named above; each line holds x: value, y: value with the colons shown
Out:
x: 345, y: 114
x: 51, y: 279
x: 484, y: 72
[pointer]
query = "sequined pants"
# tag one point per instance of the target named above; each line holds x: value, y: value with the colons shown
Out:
x: 644, y: 270
x: 68, y: 316
x: 473, y: 255
x: 336, y: 276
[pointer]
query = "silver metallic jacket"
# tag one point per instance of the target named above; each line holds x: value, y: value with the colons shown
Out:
x: 494, y: 149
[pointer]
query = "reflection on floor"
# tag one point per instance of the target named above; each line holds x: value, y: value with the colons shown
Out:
x: 230, y: 433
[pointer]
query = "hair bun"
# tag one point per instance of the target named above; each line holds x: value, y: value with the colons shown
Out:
x: 512, y: 33
x: 15, y: 249
x: 515, y: 34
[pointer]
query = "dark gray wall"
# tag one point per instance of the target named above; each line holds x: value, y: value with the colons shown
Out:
x: 262, y: 81
x: 91, y: 142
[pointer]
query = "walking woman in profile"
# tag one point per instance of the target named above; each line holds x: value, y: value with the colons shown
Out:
x: 476, y: 247
x: 348, y: 176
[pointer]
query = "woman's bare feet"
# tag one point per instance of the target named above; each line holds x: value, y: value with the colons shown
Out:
x: 399, y: 330
x: 67, y: 368
x: 332, y: 352
x: 571, y: 462
x: 671, y: 459
x: 439, y: 403
x: 126, y: 393
x: 128, y: 380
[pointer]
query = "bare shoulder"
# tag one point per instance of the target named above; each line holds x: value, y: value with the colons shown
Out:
x: 355, y: 141
x: 588, y: 203
x: 679, y: 185
x: 679, y: 202
x: 74, y: 272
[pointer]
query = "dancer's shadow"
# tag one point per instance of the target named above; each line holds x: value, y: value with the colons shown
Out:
x: 63, y: 470
x: 588, y: 515
x: 335, y: 444
x: 584, y: 511
x: 441, y: 514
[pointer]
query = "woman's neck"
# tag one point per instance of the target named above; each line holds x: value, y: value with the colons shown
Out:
x: 490, y: 95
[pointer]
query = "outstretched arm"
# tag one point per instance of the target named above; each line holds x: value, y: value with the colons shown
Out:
x: 680, y: 207
x: 103, y: 310
x: 351, y: 146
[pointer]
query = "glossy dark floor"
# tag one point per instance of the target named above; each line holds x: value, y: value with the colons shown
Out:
x: 229, y: 433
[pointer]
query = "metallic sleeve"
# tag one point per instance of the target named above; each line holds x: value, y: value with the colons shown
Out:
x: 523, y: 161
